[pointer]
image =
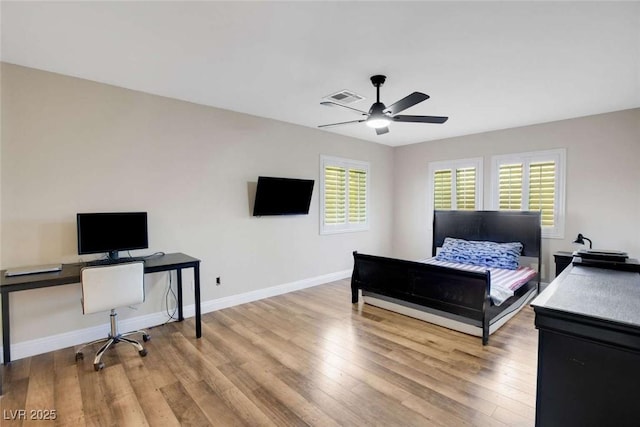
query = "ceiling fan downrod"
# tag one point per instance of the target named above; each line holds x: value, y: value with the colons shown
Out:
x: 378, y: 80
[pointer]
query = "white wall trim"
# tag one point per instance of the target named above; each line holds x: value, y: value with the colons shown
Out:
x: 233, y: 300
x: 37, y: 346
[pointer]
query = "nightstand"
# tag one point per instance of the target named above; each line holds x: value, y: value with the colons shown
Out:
x: 562, y: 260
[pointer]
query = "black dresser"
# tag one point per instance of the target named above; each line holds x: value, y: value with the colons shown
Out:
x: 589, y: 349
x: 562, y: 260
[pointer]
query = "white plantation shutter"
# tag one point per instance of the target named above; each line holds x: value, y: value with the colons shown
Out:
x: 344, y: 185
x: 357, y: 196
x: 535, y: 182
x: 466, y: 188
x: 510, y: 186
x: 335, y: 194
x: 442, y: 189
x: 542, y: 184
x: 456, y: 184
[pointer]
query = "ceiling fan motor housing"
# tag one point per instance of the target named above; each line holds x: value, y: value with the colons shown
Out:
x: 377, y: 109
x: 377, y: 117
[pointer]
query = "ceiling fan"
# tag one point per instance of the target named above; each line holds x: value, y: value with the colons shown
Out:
x: 379, y: 115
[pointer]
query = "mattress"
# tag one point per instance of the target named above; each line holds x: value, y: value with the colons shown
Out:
x: 504, y: 282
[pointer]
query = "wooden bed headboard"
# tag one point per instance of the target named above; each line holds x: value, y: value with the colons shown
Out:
x: 494, y: 226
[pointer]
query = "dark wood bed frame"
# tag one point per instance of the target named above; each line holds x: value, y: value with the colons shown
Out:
x: 447, y: 290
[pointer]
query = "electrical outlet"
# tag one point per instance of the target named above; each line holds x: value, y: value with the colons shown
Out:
x: 218, y: 281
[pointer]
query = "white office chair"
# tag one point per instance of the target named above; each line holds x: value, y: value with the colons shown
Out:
x: 106, y: 287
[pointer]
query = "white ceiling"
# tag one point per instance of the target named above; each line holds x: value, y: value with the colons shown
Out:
x: 485, y: 65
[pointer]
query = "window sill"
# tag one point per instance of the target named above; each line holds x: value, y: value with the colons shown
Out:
x: 343, y: 230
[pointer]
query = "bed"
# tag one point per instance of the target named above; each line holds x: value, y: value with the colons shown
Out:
x: 456, y: 298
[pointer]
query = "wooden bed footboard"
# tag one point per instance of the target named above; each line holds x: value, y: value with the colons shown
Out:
x: 463, y: 293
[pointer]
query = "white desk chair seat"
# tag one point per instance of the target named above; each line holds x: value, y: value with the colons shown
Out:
x: 105, y: 288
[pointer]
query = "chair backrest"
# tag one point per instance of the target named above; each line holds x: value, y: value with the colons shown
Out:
x: 106, y: 287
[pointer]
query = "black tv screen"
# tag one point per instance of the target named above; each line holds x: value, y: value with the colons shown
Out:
x: 111, y: 232
x: 282, y: 196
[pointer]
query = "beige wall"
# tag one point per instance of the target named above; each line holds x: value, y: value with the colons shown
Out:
x: 70, y: 145
x: 602, y: 182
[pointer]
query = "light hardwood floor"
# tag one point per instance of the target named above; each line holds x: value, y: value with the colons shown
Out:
x: 305, y: 358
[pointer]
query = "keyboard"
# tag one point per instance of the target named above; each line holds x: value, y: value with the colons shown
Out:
x: 33, y: 269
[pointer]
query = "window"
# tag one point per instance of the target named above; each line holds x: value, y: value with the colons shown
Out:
x: 532, y: 181
x: 344, y: 198
x: 456, y: 184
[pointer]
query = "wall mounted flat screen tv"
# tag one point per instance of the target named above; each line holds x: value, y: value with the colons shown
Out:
x: 282, y: 196
x: 111, y: 232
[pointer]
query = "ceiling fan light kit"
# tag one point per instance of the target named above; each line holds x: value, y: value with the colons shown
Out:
x: 379, y: 116
x: 377, y: 123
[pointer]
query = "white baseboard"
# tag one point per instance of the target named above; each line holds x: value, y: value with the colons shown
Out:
x: 30, y: 348
x: 80, y: 336
x: 230, y: 301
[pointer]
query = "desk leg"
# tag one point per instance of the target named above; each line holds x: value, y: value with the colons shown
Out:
x: 196, y: 278
x: 180, y: 312
x: 6, y: 339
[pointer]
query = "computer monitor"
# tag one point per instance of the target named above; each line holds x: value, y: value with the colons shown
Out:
x: 111, y: 232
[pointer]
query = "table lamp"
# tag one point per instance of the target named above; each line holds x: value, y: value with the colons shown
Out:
x: 580, y: 240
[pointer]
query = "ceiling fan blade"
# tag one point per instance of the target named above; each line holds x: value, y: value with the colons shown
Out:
x: 420, y: 119
x: 342, y: 123
x: 406, y: 102
x: 382, y: 131
x: 331, y: 104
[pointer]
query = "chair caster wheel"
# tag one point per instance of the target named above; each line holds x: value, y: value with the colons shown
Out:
x: 79, y: 356
x: 142, y: 353
x: 146, y: 338
x: 98, y: 366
